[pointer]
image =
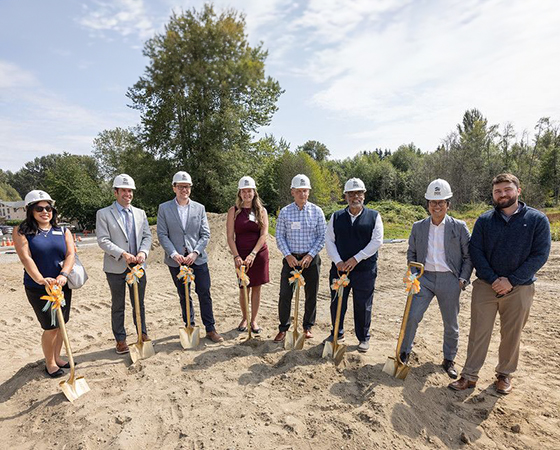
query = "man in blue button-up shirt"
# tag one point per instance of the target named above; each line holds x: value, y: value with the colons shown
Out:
x: 300, y: 236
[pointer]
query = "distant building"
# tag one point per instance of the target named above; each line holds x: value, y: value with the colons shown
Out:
x: 12, y: 210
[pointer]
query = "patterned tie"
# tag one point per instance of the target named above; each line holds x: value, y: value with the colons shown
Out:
x: 130, y: 232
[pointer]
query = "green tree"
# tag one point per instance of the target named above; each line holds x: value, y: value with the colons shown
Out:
x: 32, y: 174
x: 317, y: 150
x: 550, y: 164
x: 8, y: 193
x: 203, y: 95
x: 76, y: 185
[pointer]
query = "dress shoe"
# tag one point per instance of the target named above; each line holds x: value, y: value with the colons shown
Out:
x: 503, y: 384
x: 145, y: 337
x: 67, y: 365
x: 122, y: 348
x: 214, y: 336
x: 449, y: 367
x: 461, y: 384
x: 404, y: 357
x: 56, y: 374
x: 280, y: 336
x: 307, y: 333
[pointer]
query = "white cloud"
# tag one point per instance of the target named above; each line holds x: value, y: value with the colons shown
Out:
x: 12, y: 76
x: 125, y: 17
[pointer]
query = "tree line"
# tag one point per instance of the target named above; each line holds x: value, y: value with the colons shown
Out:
x: 202, y: 99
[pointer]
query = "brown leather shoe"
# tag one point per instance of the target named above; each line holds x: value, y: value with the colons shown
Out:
x: 307, y: 333
x: 214, y: 337
x: 122, y: 348
x: 503, y: 384
x: 280, y: 336
x: 461, y: 384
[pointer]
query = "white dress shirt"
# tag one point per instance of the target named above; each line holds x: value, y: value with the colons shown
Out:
x: 367, y: 252
x: 435, y: 258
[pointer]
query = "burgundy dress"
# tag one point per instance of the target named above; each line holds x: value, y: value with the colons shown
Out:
x: 247, y: 234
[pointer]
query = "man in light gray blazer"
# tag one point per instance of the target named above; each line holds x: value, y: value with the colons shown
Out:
x: 441, y: 243
x: 183, y: 232
x: 124, y: 235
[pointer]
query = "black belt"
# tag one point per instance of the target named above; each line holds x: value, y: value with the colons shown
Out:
x: 299, y: 255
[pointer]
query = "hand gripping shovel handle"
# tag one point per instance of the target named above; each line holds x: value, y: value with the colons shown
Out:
x: 62, y: 327
x: 407, y: 311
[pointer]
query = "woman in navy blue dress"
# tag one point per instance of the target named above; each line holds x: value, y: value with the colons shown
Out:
x: 41, y: 246
x: 247, y: 231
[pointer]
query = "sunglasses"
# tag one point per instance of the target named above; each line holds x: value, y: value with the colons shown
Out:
x: 39, y: 209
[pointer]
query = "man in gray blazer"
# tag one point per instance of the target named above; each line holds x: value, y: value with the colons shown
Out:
x: 183, y: 232
x: 441, y: 243
x: 124, y: 235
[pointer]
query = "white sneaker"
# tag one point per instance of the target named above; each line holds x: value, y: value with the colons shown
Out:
x: 363, y: 347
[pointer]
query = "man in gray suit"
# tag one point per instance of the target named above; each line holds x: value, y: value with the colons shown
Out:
x: 441, y: 243
x: 183, y: 232
x: 124, y: 235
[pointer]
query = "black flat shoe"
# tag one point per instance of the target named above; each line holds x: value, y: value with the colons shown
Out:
x: 256, y: 330
x: 67, y: 365
x: 59, y: 373
x: 241, y: 329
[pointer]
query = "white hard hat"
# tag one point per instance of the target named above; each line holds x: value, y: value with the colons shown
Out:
x: 354, y: 184
x: 438, y: 190
x: 181, y: 177
x: 301, y: 182
x: 123, y: 181
x: 246, y: 183
x: 37, y: 196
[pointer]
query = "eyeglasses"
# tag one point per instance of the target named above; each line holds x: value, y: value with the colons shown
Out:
x: 183, y: 187
x: 437, y: 202
x: 356, y: 193
x: 39, y: 209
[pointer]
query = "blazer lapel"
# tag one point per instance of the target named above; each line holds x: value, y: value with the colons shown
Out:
x: 137, y: 225
x: 118, y: 218
x: 425, y: 239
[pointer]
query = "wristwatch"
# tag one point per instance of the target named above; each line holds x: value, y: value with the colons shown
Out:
x: 64, y: 274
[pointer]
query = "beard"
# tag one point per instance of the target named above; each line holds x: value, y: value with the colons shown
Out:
x: 505, y: 203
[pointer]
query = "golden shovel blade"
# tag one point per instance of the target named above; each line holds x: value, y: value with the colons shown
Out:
x: 395, y: 368
x: 190, y: 337
x: 290, y: 340
x: 74, y: 390
x: 334, y: 351
x: 142, y: 350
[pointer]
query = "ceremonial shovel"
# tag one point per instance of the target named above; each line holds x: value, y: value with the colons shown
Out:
x: 189, y: 335
x: 244, y: 279
x: 334, y: 349
x: 143, y: 349
x: 394, y: 366
x: 294, y: 339
x: 75, y: 386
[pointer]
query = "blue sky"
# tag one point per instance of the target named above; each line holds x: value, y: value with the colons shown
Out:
x: 358, y: 74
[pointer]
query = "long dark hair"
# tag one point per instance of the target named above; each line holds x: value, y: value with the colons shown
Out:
x: 29, y: 225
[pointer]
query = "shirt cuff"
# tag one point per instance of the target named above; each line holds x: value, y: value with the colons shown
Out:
x: 172, y: 256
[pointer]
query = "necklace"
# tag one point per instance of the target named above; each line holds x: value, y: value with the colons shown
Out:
x: 44, y: 233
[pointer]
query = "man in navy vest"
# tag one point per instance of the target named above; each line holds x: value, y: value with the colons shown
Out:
x: 354, y: 235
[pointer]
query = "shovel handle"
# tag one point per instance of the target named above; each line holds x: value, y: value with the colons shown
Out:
x: 62, y: 327
x: 340, y: 295
x: 188, y: 303
x: 407, y: 310
x: 246, y: 295
x: 138, y: 315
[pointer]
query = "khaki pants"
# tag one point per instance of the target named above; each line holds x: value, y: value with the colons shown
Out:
x: 514, y: 311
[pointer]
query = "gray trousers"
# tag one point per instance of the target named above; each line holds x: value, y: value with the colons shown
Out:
x: 117, y: 285
x: 445, y: 286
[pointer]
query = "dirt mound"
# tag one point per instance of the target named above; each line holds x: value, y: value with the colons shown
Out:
x: 238, y: 395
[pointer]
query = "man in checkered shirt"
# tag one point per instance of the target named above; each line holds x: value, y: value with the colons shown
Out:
x: 300, y: 236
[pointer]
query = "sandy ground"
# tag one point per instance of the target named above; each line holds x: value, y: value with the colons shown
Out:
x: 238, y: 395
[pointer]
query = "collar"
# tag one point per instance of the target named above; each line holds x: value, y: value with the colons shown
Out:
x: 121, y: 208
x: 303, y: 208
x: 352, y: 215
x: 441, y: 223
x: 182, y: 206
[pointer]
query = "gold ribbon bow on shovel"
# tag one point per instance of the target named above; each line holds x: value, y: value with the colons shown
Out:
x: 75, y: 386
x: 143, y: 349
x: 394, y: 366
x: 294, y: 339
x: 189, y: 335
x: 334, y: 349
x: 244, y: 280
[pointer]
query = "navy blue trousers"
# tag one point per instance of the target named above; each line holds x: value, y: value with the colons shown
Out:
x: 362, y: 285
x: 202, y: 289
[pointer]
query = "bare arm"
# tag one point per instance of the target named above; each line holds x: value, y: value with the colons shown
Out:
x: 68, y: 259
x: 230, y: 231
x: 22, y: 249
